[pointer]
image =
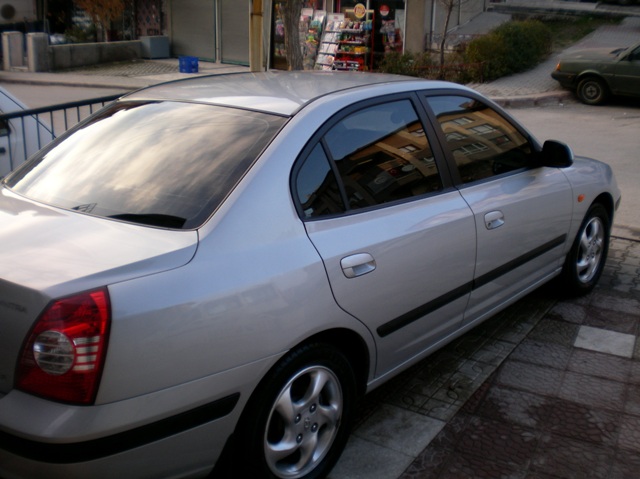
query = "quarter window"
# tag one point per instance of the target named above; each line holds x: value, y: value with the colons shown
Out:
x: 317, y: 187
x: 482, y: 142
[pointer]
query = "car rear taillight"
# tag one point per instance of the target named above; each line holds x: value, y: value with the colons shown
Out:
x: 64, y: 354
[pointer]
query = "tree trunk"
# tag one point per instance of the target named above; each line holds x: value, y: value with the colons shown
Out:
x: 449, y: 6
x: 292, y: 12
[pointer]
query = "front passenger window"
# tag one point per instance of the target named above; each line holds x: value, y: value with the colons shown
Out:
x: 482, y: 142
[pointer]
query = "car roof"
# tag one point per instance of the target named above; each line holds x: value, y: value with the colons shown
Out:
x: 277, y: 92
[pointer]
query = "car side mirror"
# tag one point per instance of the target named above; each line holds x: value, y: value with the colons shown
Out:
x: 556, y: 154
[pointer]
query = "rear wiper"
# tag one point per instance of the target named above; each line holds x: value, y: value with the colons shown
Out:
x: 152, y: 219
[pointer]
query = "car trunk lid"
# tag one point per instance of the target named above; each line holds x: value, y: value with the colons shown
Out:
x: 48, y: 253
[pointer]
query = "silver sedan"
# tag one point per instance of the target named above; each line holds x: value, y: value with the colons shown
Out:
x: 215, y: 269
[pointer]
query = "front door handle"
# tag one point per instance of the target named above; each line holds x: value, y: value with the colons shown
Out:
x: 493, y: 220
x: 357, y: 264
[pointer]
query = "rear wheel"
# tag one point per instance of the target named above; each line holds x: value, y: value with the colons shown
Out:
x: 297, y: 423
x: 592, y: 91
x: 588, y: 255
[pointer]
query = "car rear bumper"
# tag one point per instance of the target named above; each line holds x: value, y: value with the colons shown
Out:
x: 185, y: 445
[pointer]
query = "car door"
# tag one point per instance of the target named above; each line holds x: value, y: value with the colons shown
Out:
x: 626, y: 78
x: 397, y: 241
x: 522, y: 212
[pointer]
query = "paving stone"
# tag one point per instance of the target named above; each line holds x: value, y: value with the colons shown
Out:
x: 593, y: 392
x: 570, y: 312
x: 626, y: 465
x: 629, y: 438
x: 613, y: 321
x: 399, y: 429
x: 632, y: 404
x: 530, y: 377
x: 605, y: 341
x: 428, y: 463
x: 553, y: 331
x: 366, y: 460
x: 616, y: 303
x: 496, y: 441
x: 569, y: 458
x: 634, y: 371
x: 600, y: 365
x: 542, y: 353
x: 464, y: 465
x: 513, y: 406
x: 577, y: 421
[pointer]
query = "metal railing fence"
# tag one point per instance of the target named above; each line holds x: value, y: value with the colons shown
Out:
x: 34, y: 128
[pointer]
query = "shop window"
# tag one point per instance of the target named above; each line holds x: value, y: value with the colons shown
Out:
x: 386, y: 160
x: 316, y: 186
x: 482, y: 142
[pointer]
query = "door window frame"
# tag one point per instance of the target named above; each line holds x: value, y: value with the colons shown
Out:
x: 424, y: 96
x: 319, y: 137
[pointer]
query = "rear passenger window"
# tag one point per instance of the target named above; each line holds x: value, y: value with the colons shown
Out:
x: 382, y: 154
x: 482, y: 142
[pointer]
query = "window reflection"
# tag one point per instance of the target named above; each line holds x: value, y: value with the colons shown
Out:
x: 383, y: 155
x: 162, y: 163
x: 482, y: 142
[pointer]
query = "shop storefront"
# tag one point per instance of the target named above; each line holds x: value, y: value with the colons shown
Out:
x: 342, y: 35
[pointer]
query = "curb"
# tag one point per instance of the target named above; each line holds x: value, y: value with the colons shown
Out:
x: 539, y: 99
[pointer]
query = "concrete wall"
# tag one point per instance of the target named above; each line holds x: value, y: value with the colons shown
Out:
x: 82, y: 54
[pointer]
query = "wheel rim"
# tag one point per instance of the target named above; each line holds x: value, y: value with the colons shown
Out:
x: 591, y: 250
x: 591, y: 91
x: 303, y: 422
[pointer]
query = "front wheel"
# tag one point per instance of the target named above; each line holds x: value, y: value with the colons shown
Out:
x: 592, y: 91
x: 297, y: 423
x: 588, y: 255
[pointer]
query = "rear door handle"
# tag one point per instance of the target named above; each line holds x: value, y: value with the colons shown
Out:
x: 493, y: 220
x: 357, y: 264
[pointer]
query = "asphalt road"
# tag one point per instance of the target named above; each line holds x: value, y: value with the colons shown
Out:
x: 608, y: 133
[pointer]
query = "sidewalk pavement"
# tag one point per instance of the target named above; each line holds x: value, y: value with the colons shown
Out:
x: 531, y: 88
x: 549, y: 388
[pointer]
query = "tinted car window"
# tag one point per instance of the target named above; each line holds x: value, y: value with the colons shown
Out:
x: 383, y: 155
x: 482, y: 142
x: 317, y: 187
x: 161, y: 163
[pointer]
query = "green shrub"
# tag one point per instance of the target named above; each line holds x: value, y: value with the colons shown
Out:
x: 512, y: 47
x: 412, y: 64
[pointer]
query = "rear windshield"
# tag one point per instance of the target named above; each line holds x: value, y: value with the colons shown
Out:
x: 166, y: 164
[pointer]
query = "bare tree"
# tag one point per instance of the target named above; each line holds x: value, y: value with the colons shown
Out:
x: 292, y: 11
x: 449, y: 7
x: 102, y: 12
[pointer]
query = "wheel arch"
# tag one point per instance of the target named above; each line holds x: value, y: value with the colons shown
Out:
x: 353, y: 346
x: 592, y: 74
x: 606, y: 200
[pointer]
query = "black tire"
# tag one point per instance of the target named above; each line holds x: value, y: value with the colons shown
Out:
x: 592, y: 91
x: 305, y: 408
x: 585, y: 262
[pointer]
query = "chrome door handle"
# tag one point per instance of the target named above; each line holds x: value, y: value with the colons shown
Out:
x: 357, y: 264
x: 493, y: 220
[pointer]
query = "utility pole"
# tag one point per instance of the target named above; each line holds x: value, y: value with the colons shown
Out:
x: 256, y: 54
